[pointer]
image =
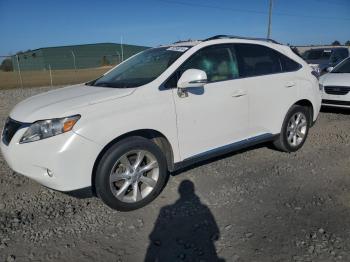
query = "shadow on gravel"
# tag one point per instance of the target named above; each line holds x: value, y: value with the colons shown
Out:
x: 185, y: 230
x: 335, y: 110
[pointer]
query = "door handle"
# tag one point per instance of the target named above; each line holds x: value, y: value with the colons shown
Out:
x: 239, y: 93
x: 290, y: 84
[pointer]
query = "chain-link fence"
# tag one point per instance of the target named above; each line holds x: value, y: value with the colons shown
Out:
x: 32, y: 72
x: 62, y: 65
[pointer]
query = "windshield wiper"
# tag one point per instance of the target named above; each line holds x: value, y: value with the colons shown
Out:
x: 103, y: 84
x: 112, y: 85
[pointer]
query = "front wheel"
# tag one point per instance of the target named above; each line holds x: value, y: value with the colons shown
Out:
x: 131, y: 174
x: 294, y: 130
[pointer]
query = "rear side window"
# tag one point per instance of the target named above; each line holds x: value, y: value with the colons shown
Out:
x: 256, y: 60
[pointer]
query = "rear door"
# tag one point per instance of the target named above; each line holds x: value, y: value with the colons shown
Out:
x: 270, y: 86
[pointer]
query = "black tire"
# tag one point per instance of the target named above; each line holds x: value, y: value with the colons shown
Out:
x: 107, y: 163
x: 281, y: 142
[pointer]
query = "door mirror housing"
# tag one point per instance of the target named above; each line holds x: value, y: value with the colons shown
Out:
x: 192, y: 78
x: 329, y: 69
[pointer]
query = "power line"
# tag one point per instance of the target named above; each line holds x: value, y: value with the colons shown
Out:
x: 326, y: 2
x: 332, y: 3
x: 238, y: 10
x: 213, y: 6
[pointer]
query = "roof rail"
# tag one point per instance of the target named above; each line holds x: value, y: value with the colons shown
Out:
x: 241, y: 37
x: 184, y: 41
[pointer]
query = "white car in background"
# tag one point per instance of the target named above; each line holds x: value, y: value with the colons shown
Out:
x: 336, y: 85
x: 321, y: 58
x: 159, y: 111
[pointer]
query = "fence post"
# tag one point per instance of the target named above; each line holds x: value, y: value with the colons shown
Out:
x: 119, y: 59
x: 121, y: 47
x: 75, y: 65
x: 50, y: 74
x: 19, y: 71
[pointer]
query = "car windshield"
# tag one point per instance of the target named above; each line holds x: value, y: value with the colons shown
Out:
x: 142, y: 68
x: 318, y: 54
x: 343, y: 67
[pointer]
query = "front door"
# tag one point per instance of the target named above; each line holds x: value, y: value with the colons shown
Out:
x: 216, y: 115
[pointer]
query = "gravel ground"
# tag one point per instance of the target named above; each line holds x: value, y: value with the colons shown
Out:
x: 255, y: 205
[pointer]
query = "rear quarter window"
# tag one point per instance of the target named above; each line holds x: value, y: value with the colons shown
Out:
x: 288, y: 65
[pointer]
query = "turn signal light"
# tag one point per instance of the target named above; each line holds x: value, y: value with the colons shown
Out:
x: 68, y: 125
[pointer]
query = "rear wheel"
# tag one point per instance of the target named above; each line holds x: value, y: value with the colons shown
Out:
x: 131, y: 174
x: 294, y: 130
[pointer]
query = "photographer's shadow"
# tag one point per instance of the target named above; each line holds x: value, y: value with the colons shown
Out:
x: 184, y: 231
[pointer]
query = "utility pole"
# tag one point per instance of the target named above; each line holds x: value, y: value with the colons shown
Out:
x: 270, y: 20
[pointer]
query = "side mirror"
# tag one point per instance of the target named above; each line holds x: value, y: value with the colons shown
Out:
x: 192, y: 78
x: 329, y: 69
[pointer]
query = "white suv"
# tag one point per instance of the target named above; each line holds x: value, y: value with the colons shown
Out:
x: 162, y: 109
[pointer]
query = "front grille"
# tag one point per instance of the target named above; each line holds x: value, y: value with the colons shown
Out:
x: 337, y: 90
x: 10, y: 129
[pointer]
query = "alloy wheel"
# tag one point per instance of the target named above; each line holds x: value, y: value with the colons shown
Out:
x: 134, y: 176
x: 296, y: 129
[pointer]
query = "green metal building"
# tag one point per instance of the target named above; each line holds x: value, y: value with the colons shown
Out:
x: 74, y: 56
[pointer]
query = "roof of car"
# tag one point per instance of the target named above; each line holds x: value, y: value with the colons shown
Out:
x: 327, y: 48
x: 186, y: 43
x: 191, y: 43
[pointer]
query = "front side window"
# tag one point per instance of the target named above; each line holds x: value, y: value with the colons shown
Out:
x: 343, y: 67
x: 141, y: 69
x: 218, y: 62
x: 256, y: 60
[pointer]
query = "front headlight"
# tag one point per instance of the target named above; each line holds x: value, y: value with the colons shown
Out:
x: 47, y: 128
x: 316, y: 68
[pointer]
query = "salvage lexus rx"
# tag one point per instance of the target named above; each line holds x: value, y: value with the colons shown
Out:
x: 159, y: 111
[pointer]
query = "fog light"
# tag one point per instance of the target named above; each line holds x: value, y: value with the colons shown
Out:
x: 49, y: 172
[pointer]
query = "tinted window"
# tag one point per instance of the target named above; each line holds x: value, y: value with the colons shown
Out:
x: 317, y: 54
x: 343, y: 67
x: 219, y: 63
x: 338, y: 55
x: 257, y: 60
x: 288, y: 65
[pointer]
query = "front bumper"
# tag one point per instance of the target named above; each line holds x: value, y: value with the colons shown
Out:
x: 336, y: 100
x: 69, y: 157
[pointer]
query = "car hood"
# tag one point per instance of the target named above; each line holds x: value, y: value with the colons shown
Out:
x: 335, y: 79
x: 60, y: 102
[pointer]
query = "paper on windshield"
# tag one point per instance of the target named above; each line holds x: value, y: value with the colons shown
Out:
x: 178, y: 48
